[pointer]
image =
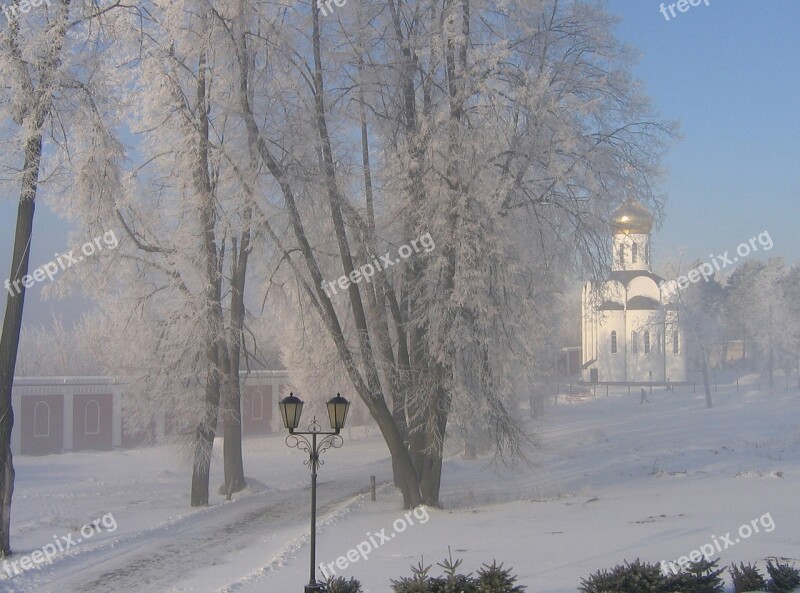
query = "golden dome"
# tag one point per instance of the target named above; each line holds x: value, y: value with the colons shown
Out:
x: 632, y: 217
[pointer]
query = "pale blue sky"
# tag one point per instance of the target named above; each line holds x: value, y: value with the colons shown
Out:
x: 729, y: 72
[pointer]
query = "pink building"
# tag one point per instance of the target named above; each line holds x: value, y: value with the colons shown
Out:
x: 57, y: 414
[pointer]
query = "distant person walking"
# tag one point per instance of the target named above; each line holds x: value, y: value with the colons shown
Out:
x: 643, y: 399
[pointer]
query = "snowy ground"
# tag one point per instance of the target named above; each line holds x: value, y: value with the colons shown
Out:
x: 609, y: 480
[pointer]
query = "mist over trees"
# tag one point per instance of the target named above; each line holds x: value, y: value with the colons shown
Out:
x: 748, y: 318
x: 762, y: 312
x: 248, y: 154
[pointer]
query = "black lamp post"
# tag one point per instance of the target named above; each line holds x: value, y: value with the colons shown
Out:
x: 291, y: 408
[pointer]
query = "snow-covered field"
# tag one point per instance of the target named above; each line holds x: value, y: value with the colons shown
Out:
x: 609, y: 480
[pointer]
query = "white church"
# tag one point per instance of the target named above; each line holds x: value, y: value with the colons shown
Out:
x: 630, y: 323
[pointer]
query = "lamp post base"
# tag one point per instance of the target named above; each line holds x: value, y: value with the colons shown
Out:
x: 315, y: 588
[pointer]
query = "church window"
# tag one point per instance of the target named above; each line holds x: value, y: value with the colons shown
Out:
x: 621, y: 255
x: 634, y: 343
x: 613, y: 342
x: 91, y: 418
x: 676, y: 342
x: 635, y: 253
x: 41, y: 419
x: 647, y: 342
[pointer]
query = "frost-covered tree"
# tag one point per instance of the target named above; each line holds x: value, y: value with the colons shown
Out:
x: 757, y: 302
x: 791, y: 291
x: 507, y: 131
x: 53, y: 349
x: 700, y: 314
x: 187, y: 219
x: 48, y: 56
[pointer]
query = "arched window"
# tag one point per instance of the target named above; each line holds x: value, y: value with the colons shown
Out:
x: 635, y: 253
x: 41, y: 419
x: 647, y: 253
x: 676, y: 342
x: 258, y: 406
x: 634, y: 343
x: 621, y: 255
x: 613, y: 342
x: 647, y: 342
x: 91, y: 415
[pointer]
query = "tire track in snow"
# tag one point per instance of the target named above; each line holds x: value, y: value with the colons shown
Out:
x: 328, y: 514
x: 159, y: 559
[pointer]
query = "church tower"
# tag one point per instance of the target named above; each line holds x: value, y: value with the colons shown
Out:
x: 631, y: 223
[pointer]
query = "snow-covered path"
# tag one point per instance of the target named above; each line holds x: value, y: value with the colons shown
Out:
x: 166, y: 554
x: 192, y: 547
x: 216, y: 548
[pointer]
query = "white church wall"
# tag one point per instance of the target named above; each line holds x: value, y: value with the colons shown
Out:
x: 610, y: 365
x: 615, y: 291
x: 644, y: 286
x: 641, y: 363
x: 676, y: 366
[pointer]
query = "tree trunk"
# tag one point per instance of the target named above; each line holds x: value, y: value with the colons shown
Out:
x: 206, y: 430
x: 232, y: 393
x: 430, y: 456
x: 771, y: 371
x: 401, y: 462
x: 706, y: 382
x: 431, y: 477
x: 369, y: 390
x: 12, y: 325
x: 8, y: 477
x: 536, y: 403
x: 405, y: 478
x: 470, y: 450
x: 231, y: 410
x: 204, y: 443
x: 232, y: 435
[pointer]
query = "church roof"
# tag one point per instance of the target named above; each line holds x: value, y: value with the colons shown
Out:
x: 611, y: 306
x: 632, y: 217
x: 642, y: 303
